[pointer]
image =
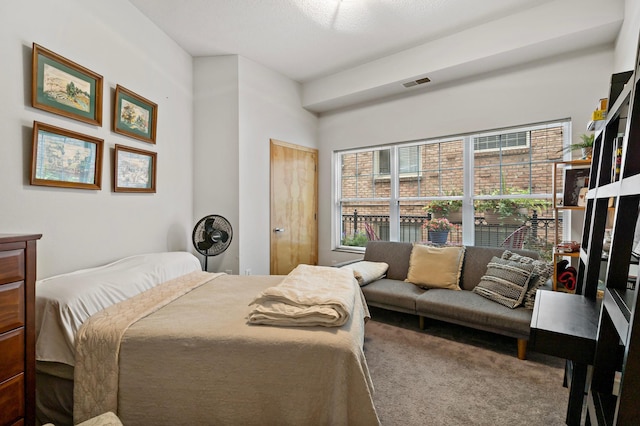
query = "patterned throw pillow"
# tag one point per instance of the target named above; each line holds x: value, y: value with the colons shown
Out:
x: 542, y: 271
x: 505, y: 282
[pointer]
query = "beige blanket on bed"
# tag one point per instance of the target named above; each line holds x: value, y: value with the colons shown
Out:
x: 308, y: 296
x: 197, y: 361
x: 95, y: 389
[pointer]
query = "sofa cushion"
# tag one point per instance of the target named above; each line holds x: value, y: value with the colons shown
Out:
x: 435, y: 267
x: 541, y: 272
x: 475, y: 263
x: 386, y: 292
x: 366, y: 272
x: 470, y: 309
x: 505, y: 282
x: 396, y: 254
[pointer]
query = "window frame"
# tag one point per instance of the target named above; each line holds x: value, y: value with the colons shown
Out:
x: 468, y: 197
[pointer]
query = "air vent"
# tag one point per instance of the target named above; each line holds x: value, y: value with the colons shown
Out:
x: 416, y: 82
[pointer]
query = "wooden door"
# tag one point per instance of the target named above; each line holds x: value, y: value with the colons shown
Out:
x: 294, y: 206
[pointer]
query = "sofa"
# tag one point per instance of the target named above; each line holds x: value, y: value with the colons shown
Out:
x: 464, y: 307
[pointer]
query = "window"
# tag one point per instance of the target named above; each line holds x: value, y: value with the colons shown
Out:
x: 501, y: 141
x: 409, y: 161
x: 388, y: 192
x: 384, y: 162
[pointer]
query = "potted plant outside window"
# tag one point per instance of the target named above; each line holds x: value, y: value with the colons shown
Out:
x: 510, y: 210
x: 438, y: 229
x: 451, y: 209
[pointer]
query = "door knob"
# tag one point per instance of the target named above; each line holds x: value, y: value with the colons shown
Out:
x: 278, y: 229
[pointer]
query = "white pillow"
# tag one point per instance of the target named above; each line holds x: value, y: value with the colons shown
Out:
x: 366, y: 271
x: 64, y: 302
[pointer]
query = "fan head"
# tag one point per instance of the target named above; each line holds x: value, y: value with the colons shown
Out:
x: 212, y: 235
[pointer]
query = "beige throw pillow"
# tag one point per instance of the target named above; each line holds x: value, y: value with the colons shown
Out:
x: 366, y: 271
x: 435, y: 267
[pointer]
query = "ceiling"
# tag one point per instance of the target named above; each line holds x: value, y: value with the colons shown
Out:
x: 307, y: 39
x: 316, y: 41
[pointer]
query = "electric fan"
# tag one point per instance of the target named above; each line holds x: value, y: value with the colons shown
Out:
x: 211, y: 236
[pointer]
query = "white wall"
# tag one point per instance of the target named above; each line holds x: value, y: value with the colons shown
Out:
x: 627, y: 42
x: 216, y: 129
x: 240, y: 105
x: 84, y: 228
x: 556, y: 88
x: 270, y: 108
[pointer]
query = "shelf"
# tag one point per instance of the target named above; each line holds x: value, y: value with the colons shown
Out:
x: 559, y: 173
x: 567, y: 254
x: 569, y: 207
x: 630, y: 185
x: 617, y: 348
x: 595, y: 125
x: 610, y: 190
x: 618, y: 312
x: 601, y: 408
x: 615, y: 109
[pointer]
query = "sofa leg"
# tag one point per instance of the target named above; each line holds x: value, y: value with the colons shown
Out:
x: 421, y: 323
x: 522, y: 349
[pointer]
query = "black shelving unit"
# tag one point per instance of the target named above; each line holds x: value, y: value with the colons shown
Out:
x: 614, y: 392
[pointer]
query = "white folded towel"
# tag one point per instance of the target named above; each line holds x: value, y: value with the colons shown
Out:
x: 308, y: 296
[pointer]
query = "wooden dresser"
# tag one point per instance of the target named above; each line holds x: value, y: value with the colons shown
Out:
x: 17, y: 329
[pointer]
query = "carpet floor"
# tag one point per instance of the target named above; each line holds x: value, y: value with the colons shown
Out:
x: 452, y: 375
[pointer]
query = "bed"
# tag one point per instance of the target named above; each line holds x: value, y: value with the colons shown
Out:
x: 186, y: 352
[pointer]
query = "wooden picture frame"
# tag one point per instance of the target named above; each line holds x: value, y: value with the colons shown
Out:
x: 63, y: 87
x: 134, y: 170
x: 575, y: 180
x: 65, y: 159
x: 134, y: 116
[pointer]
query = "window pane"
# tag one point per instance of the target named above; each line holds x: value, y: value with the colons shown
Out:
x: 409, y: 159
x: 413, y: 215
x: 526, y: 167
x: 362, y: 222
x: 506, y: 140
x: 384, y: 162
x: 359, y: 178
x: 440, y: 170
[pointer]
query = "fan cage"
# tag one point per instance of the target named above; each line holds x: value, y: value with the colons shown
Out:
x: 218, y: 223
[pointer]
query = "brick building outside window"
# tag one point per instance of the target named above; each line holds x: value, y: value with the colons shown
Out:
x: 385, y: 192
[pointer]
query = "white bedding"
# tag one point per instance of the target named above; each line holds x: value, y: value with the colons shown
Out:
x: 308, y: 296
x: 64, y: 302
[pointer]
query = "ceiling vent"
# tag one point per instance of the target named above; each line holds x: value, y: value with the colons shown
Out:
x: 416, y: 82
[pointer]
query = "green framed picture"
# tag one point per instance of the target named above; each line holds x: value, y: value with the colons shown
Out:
x: 64, y: 158
x: 63, y: 87
x: 134, y: 170
x: 134, y: 116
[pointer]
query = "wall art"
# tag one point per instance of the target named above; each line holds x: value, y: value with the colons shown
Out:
x: 134, y: 170
x: 64, y: 158
x: 134, y: 115
x: 63, y: 87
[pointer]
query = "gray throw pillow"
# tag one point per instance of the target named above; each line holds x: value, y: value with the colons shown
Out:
x: 542, y: 271
x: 505, y: 282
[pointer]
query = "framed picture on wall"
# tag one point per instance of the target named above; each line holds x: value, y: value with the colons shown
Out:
x: 134, y: 115
x: 63, y: 87
x: 134, y: 170
x: 575, y: 181
x: 64, y: 158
